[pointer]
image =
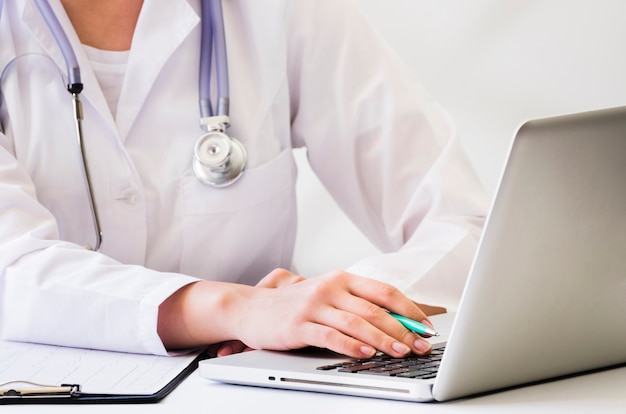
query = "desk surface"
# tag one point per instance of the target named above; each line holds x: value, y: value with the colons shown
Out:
x: 603, y: 392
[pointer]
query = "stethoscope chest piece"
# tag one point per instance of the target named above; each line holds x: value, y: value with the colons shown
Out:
x: 218, y: 159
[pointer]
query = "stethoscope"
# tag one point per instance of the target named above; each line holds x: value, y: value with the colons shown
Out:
x: 218, y: 160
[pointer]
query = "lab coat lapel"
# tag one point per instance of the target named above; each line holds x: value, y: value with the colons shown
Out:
x: 161, y: 28
x: 92, y: 92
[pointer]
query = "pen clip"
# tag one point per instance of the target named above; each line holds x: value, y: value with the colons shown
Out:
x: 27, y: 389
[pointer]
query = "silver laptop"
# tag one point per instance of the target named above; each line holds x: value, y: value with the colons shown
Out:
x: 546, y: 295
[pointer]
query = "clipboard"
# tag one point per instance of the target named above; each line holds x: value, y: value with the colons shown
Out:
x: 164, y: 373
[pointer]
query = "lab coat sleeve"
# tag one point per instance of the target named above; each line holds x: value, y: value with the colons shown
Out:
x: 386, y: 152
x: 57, y: 292
x: 60, y: 293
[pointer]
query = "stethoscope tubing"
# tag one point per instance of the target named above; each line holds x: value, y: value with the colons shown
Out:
x: 213, y: 34
x: 214, y: 119
x: 74, y: 83
x: 74, y: 86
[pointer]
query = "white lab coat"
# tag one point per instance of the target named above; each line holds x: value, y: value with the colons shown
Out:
x: 302, y: 73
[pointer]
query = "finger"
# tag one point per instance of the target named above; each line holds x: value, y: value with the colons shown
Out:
x: 279, y: 278
x: 324, y: 336
x: 380, y: 329
x: 419, y: 345
x: 230, y: 348
x: 396, y: 341
x: 355, y: 310
x: 388, y: 297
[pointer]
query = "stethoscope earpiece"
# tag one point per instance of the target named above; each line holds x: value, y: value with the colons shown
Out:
x: 218, y: 160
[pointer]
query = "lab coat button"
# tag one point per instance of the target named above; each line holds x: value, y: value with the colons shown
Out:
x: 131, y: 198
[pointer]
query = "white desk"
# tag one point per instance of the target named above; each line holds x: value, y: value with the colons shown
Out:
x: 602, y: 392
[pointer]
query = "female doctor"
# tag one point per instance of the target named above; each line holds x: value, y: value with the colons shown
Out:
x: 184, y: 262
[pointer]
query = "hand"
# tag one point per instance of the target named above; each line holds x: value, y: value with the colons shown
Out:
x: 339, y: 311
x: 275, y: 279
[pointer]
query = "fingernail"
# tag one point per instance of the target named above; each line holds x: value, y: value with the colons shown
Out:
x: 400, y: 348
x: 368, y: 351
x: 428, y: 323
x: 422, y: 346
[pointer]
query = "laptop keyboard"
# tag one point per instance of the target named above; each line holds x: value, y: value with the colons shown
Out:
x: 422, y: 367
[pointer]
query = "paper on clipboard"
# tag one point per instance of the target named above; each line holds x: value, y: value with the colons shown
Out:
x: 97, y: 372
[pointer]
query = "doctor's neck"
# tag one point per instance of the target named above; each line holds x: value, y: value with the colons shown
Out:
x: 106, y: 25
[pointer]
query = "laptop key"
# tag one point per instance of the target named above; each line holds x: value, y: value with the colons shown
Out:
x: 420, y: 367
x: 361, y: 367
x: 415, y: 374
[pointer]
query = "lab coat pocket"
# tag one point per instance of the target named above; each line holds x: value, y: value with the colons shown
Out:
x: 241, y: 232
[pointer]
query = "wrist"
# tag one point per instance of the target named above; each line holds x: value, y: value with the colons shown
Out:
x: 201, y: 313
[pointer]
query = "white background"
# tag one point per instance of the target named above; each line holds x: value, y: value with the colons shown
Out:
x: 492, y: 64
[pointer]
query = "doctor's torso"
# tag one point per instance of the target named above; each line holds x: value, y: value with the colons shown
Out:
x: 153, y: 211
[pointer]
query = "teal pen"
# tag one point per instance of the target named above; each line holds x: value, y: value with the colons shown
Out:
x: 415, y: 326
